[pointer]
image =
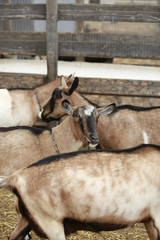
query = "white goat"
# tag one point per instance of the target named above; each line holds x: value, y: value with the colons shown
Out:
x: 22, y: 107
x: 126, y: 126
x: 96, y: 186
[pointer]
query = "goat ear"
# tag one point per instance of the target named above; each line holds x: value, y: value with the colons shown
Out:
x: 63, y: 82
x: 67, y: 107
x: 107, y: 110
x: 70, y: 77
x: 70, y: 80
x: 74, y: 86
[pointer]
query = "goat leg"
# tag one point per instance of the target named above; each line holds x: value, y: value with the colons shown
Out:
x: 22, y: 229
x: 151, y: 230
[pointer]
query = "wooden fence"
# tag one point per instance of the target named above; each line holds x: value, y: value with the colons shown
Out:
x: 105, y: 45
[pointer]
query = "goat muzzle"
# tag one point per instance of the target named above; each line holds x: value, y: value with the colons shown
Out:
x: 92, y: 141
x: 47, y: 118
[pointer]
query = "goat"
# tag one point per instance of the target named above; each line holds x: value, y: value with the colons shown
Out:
x: 27, y: 144
x: 22, y: 107
x: 20, y: 146
x: 125, y: 126
x: 119, y: 186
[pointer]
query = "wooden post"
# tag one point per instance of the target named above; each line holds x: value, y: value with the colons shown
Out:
x: 51, y: 39
x: 7, y: 24
x: 79, y: 29
x: 80, y: 23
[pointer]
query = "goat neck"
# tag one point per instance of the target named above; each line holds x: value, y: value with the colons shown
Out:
x: 77, y: 99
x: 44, y: 92
x: 66, y: 136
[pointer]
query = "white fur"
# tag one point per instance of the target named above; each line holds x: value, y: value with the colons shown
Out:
x: 5, y: 107
x: 89, y: 110
x: 20, y: 107
x: 145, y: 138
x: 13, y: 108
x: 92, y: 145
x: 101, y: 206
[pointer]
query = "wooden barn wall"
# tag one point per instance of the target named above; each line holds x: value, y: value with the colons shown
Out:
x: 81, y: 44
x: 107, y: 44
x: 140, y: 93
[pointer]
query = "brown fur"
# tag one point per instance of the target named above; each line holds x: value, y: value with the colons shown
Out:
x: 25, y: 147
x: 21, y: 147
x: 59, y: 196
x: 123, y: 128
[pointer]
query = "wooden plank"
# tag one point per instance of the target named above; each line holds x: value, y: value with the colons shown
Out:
x: 30, y: 81
x: 23, y: 43
x: 22, y: 36
x: 107, y: 12
x: 25, y: 11
x: 21, y: 48
x: 109, y: 45
x: 78, y: 12
x: 72, y: 44
x: 52, y: 39
x: 104, y: 100
x: 7, y: 24
x: 20, y: 80
x: 119, y: 87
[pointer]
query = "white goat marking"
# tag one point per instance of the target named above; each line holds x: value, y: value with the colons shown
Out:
x: 5, y: 106
x: 92, y: 145
x: 5, y: 100
x: 145, y: 138
x: 88, y: 110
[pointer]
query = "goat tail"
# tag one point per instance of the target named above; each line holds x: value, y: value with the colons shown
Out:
x: 3, y: 182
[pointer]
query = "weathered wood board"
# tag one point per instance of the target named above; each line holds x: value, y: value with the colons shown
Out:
x: 100, y: 91
x: 106, y: 44
x: 79, y: 12
x: 83, y: 44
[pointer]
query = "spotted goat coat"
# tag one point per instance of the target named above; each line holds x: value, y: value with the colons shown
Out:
x: 96, y: 186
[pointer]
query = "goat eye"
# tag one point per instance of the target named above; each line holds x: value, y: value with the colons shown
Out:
x: 65, y: 92
x: 76, y: 114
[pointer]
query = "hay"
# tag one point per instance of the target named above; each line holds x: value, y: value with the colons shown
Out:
x: 8, y: 221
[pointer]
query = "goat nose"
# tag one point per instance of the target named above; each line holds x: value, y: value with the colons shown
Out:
x: 94, y: 138
x: 46, y: 118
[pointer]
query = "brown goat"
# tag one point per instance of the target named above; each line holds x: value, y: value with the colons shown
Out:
x: 21, y: 146
x: 126, y: 126
x: 119, y: 186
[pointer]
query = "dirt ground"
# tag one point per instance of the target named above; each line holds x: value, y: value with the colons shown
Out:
x: 8, y: 221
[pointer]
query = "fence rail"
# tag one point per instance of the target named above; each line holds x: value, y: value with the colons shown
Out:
x: 83, y: 44
x: 52, y: 44
x: 78, y: 12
